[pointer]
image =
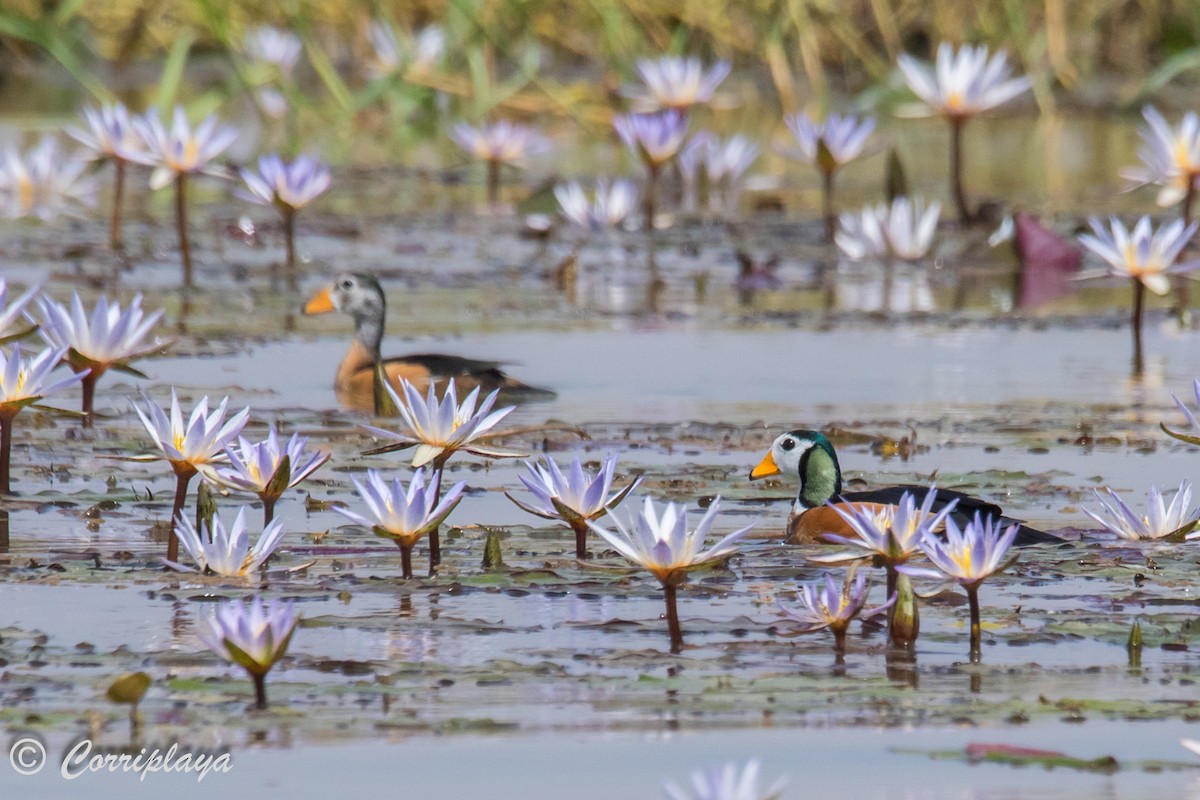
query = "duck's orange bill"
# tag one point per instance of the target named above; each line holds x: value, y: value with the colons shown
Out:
x: 765, y: 468
x: 320, y: 303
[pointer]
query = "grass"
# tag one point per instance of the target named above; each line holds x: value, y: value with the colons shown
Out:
x: 568, y: 57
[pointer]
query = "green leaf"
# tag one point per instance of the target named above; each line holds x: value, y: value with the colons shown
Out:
x: 173, y: 68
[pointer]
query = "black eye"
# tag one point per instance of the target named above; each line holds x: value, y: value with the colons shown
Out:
x: 788, y: 444
x: 347, y: 283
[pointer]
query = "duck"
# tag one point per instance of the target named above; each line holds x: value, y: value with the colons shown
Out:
x: 362, y: 298
x: 809, y: 456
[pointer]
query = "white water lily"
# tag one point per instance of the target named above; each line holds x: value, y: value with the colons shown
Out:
x: 1144, y: 254
x: 227, y: 551
x: 15, y: 322
x: 831, y: 605
x: 677, y: 82
x: 726, y: 783
x: 1170, y: 156
x: 442, y: 427
x: 969, y: 554
x: 575, y: 494
x: 663, y: 544
x: 181, y: 150
x: 253, y: 465
x: 1160, y: 519
x: 24, y: 381
x: 110, y: 336
x: 963, y: 82
x: 611, y: 203
x: 903, y: 230
x: 253, y: 635
x: 404, y: 514
x: 891, y: 533
x: 197, y: 445
x: 574, y: 497
x: 44, y: 182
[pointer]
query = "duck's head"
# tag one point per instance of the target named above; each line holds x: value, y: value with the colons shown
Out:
x: 809, y: 457
x: 355, y: 294
x: 361, y: 297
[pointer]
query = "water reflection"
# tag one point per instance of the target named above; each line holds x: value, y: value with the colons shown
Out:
x: 872, y: 287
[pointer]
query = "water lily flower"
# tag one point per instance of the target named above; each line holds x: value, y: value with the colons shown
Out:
x: 108, y: 339
x: 440, y: 428
x: 198, y: 445
x: 961, y: 85
x: 673, y: 82
x: 1159, y: 521
x: 1144, y: 255
x: 496, y: 144
x: 23, y: 382
x: 402, y: 514
x: 253, y: 635
x: 828, y: 146
x: 1170, y: 158
x: 266, y: 469
x: 110, y: 136
x: 266, y: 44
x: 416, y: 55
x: 611, y: 203
x: 227, y: 552
x: 288, y: 187
x: 43, y: 182
x: 890, y: 534
x: 655, y: 139
x: 831, y: 606
x: 1189, y: 415
x: 717, y: 165
x: 968, y: 556
x: 663, y: 544
x: 15, y: 323
x: 177, y: 154
x: 902, y: 231
x: 726, y: 783
x: 576, y: 497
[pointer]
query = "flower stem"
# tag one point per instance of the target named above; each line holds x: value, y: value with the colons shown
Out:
x: 1182, y: 294
x: 827, y: 204
x: 268, y: 509
x: 89, y: 398
x: 5, y: 452
x: 839, y: 639
x: 435, y: 538
x: 185, y: 250
x: 114, y: 223
x: 405, y: 559
x: 1139, y: 303
x: 673, y: 618
x: 289, y: 235
x: 976, y: 633
x: 956, y: 170
x: 260, y: 691
x: 493, y: 182
x: 580, y: 527
x: 182, y: 477
x: 648, y: 202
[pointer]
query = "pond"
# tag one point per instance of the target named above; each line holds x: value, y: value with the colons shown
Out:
x: 545, y: 674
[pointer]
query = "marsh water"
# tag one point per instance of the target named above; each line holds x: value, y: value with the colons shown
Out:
x: 550, y: 677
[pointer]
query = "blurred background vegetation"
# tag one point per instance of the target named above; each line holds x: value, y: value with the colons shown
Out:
x: 568, y: 58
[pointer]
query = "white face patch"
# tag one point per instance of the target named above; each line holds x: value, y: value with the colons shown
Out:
x: 786, y: 457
